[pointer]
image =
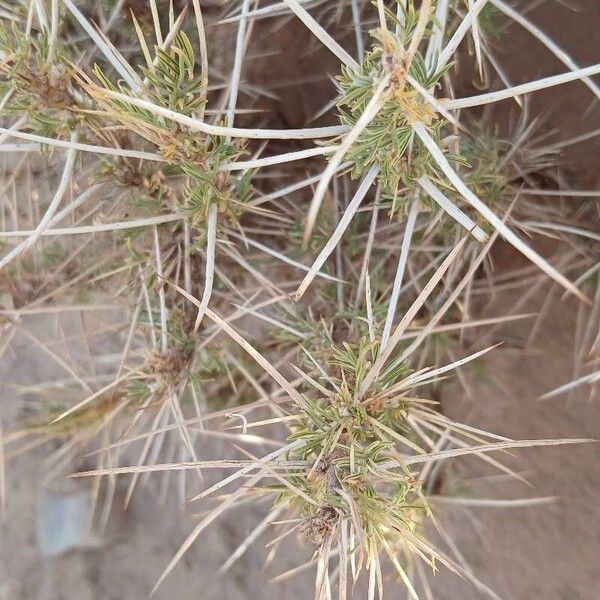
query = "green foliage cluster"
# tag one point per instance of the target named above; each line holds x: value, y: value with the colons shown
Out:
x: 171, y: 81
x: 35, y: 84
x: 349, y: 444
x: 388, y: 141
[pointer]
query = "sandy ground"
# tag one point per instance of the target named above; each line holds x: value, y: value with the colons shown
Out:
x: 544, y: 551
x: 548, y: 552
